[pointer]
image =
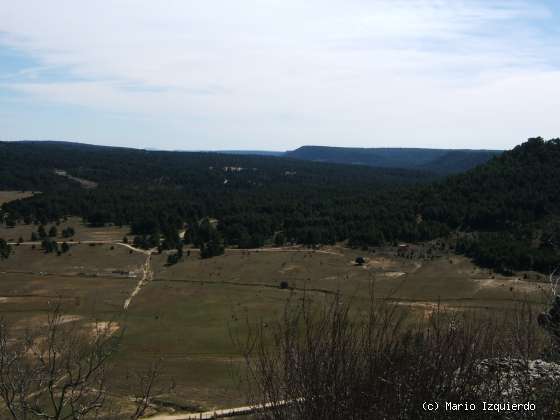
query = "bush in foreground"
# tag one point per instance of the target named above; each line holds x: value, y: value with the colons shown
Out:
x: 60, y: 371
x: 335, y: 361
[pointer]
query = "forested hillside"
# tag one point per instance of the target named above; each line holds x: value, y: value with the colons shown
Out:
x: 254, y: 198
x: 510, y: 206
x: 438, y: 161
x: 457, y: 161
x: 505, y: 213
x: 31, y: 165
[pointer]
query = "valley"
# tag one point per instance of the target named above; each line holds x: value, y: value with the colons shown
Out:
x: 188, y: 272
x: 279, y: 210
x: 196, y: 315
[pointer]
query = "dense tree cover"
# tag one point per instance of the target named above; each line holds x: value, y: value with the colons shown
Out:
x: 440, y: 161
x: 512, y: 202
x: 251, y: 197
x: 506, y: 252
x: 180, y: 170
x: 514, y: 189
x: 507, y: 209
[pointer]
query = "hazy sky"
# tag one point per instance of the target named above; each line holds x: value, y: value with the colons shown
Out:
x: 277, y: 74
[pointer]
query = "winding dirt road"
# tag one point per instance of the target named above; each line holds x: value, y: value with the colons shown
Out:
x: 146, y: 270
x: 147, y: 274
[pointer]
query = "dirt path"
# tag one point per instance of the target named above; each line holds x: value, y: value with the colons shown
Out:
x: 147, y: 273
x: 222, y: 413
x: 140, y: 250
x: 118, y: 242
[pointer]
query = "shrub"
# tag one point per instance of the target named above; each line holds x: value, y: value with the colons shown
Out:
x: 337, y: 361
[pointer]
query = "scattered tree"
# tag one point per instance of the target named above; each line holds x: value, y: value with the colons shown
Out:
x: 211, y: 241
x: 5, y: 249
x: 68, y: 232
x: 49, y: 245
x: 279, y: 239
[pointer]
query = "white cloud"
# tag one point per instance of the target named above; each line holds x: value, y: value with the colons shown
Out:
x: 278, y: 74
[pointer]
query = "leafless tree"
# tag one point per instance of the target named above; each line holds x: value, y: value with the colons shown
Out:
x: 554, y: 280
x: 550, y: 320
x: 56, y: 372
x: 147, y: 385
x: 340, y: 359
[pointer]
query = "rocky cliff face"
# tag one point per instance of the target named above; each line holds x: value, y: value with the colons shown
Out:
x: 519, y: 377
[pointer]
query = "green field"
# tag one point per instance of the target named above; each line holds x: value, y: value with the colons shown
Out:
x: 189, y: 312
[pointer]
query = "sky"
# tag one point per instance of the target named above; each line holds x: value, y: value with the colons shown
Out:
x: 279, y: 74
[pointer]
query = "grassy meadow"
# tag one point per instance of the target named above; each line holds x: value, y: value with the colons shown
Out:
x: 194, y: 315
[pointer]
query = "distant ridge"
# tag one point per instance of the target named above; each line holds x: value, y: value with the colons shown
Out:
x: 436, y: 161
x: 505, y: 213
x: 440, y: 161
x: 251, y: 152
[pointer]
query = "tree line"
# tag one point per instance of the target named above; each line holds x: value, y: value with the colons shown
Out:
x: 507, y: 209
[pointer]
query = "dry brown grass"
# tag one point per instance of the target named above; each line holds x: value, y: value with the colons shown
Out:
x: 187, y: 313
x: 7, y: 196
x: 331, y: 360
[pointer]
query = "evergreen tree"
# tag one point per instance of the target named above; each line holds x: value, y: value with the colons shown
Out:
x: 5, y: 249
x: 214, y: 246
x: 279, y: 239
x: 171, y: 237
x: 49, y: 245
x: 68, y: 232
